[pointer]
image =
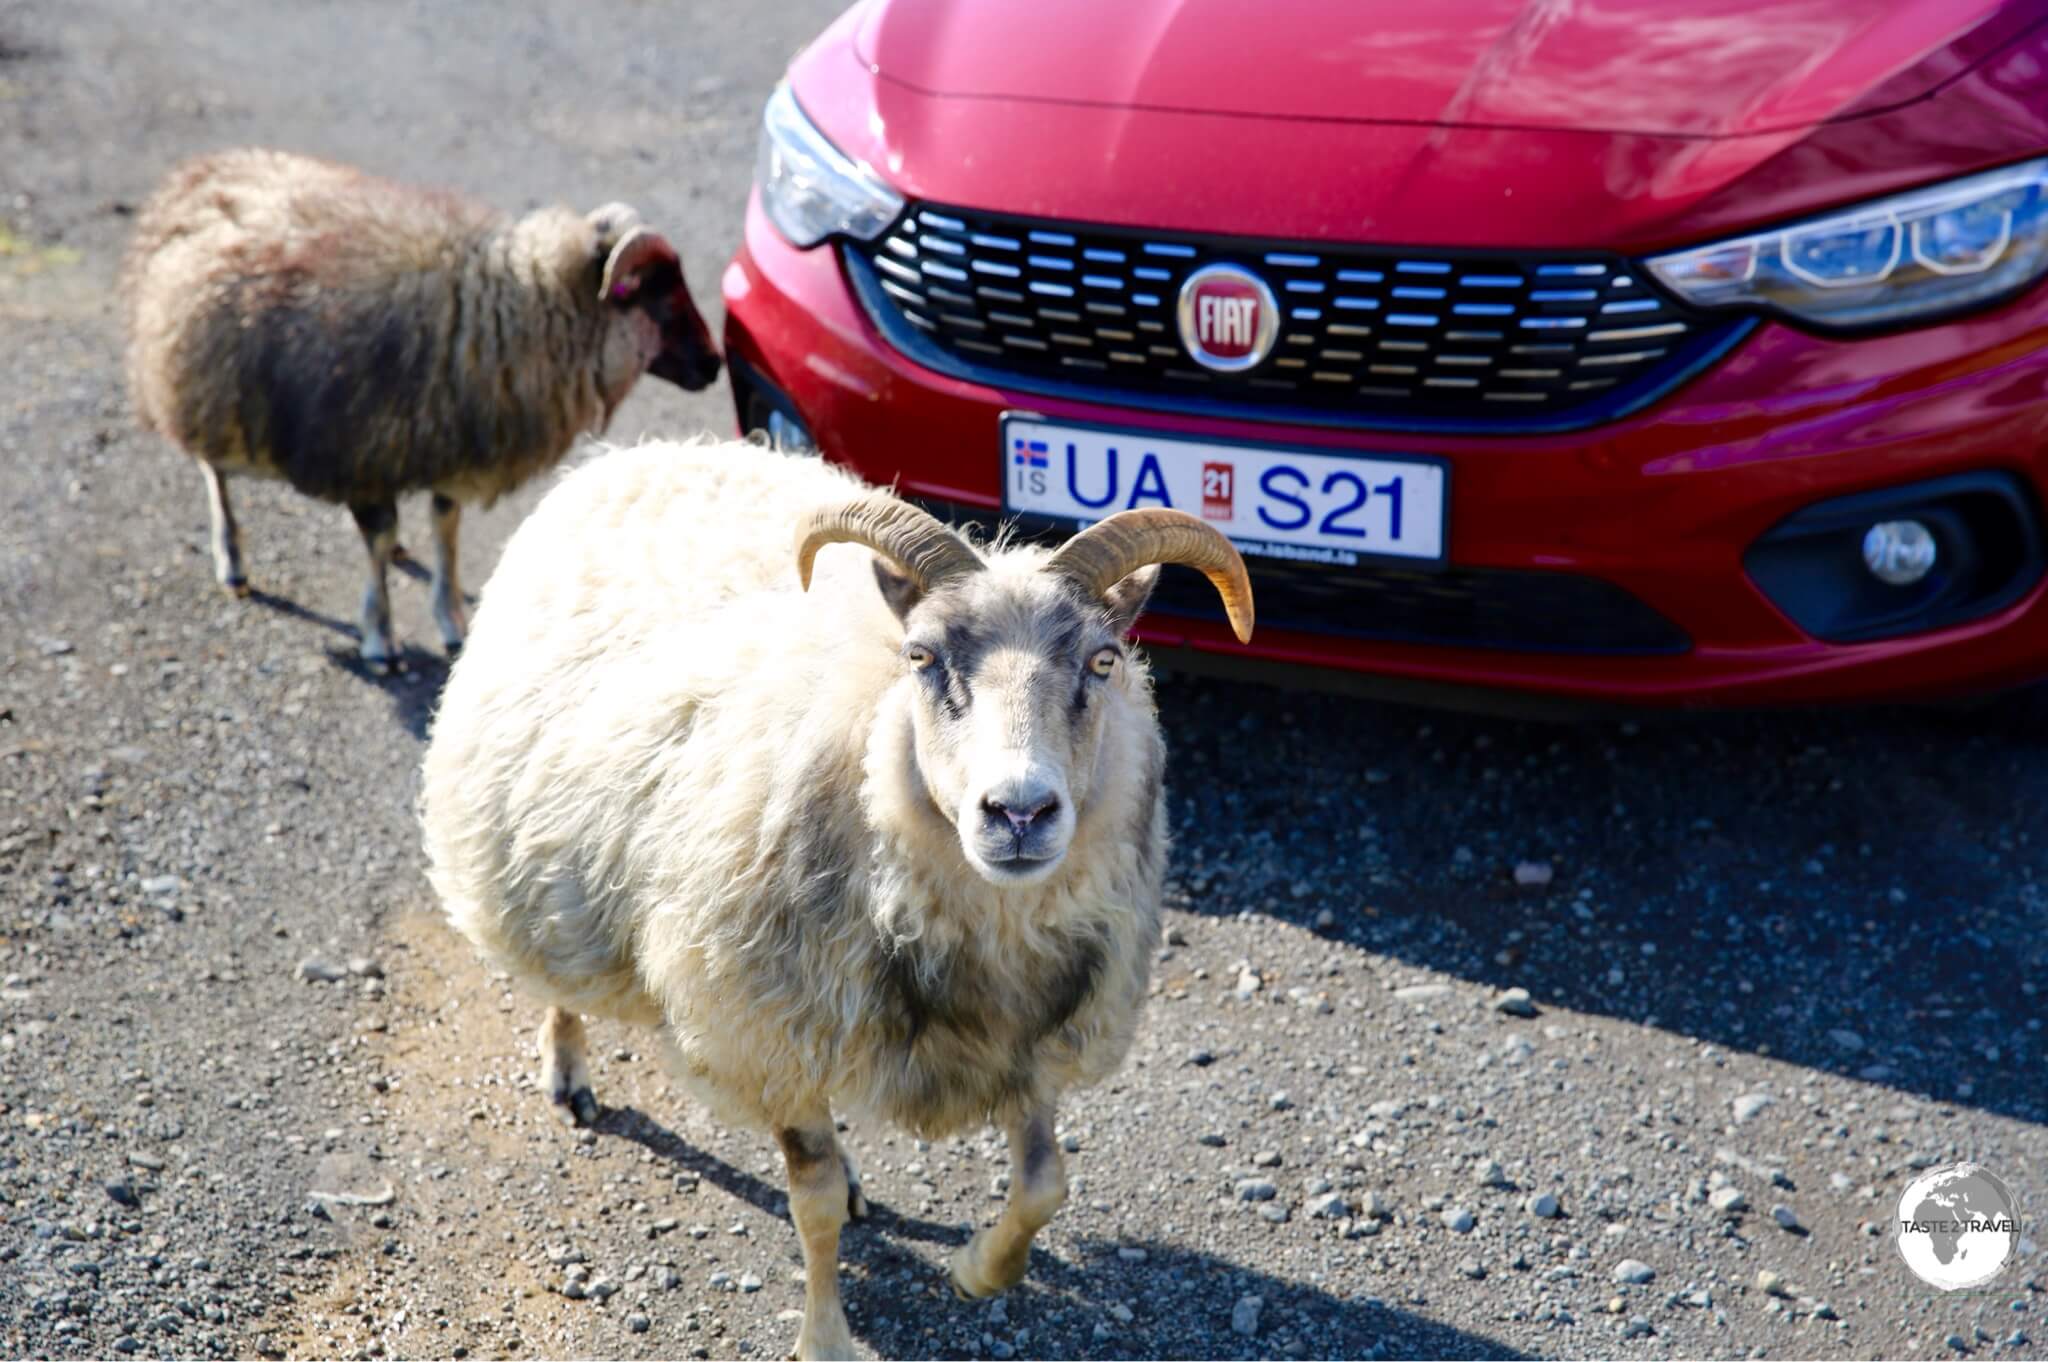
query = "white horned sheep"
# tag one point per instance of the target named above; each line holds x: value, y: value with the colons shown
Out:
x: 886, y: 837
x: 360, y: 339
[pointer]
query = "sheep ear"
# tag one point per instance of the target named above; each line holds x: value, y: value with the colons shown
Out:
x: 1126, y: 600
x: 898, y: 590
x: 640, y: 252
x: 610, y: 223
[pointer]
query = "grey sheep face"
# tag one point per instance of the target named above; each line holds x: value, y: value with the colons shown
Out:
x: 1016, y: 678
x: 1021, y: 700
x: 641, y: 279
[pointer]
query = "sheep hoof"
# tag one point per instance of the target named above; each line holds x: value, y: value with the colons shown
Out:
x: 808, y: 1348
x: 238, y: 587
x: 454, y: 626
x: 968, y: 1282
x: 856, y: 1203
x: 579, y: 1108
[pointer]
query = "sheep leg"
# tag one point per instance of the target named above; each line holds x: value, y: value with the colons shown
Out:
x: 227, y: 538
x: 378, y: 522
x: 856, y: 1201
x: 564, y: 1069
x: 449, y: 612
x: 994, y: 1260
x: 818, y: 1202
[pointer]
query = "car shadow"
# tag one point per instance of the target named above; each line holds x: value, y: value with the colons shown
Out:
x: 1160, y: 1299
x: 1859, y: 892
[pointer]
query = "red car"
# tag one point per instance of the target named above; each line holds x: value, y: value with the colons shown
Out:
x: 1653, y: 351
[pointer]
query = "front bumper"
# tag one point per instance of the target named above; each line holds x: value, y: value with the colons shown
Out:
x: 1664, y: 504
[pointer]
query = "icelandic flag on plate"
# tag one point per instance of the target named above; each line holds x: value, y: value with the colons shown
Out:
x: 1030, y: 453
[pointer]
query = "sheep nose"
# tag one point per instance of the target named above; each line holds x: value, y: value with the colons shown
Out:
x: 1020, y: 811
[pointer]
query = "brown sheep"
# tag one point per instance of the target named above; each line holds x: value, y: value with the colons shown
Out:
x: 297, y: 319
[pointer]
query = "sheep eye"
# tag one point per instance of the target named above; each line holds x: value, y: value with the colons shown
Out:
x: 919, y: 656
x: 1104, y: 662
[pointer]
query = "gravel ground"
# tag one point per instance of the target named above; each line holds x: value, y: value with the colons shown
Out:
x: 1768, y: 961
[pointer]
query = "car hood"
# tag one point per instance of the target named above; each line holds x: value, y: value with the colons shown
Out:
x: 1692, y: 68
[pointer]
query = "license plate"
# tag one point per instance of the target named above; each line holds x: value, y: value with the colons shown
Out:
x: 1271, y: 501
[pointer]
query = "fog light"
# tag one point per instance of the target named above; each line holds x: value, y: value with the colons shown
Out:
x: 1899, y: 552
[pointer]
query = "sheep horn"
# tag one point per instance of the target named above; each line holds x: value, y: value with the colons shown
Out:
x: 912, y: 539
x: 1107, y: 552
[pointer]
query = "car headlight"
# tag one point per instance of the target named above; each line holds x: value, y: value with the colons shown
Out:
x: 1893, y: 260
x: 811, y: 189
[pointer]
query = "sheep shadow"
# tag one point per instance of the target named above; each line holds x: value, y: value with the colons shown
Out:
x: 1181, y: 1301
x: 1163, y: 1300
x: 291, y: 609
x: 1855, y: 892
x: 403, y: 562
x: 413, y: 685
x: 633, y: 1124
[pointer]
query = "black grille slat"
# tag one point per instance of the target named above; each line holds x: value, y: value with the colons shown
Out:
x: 1365, y: 330
x: 1501, y: 609
x: 1508, y: 611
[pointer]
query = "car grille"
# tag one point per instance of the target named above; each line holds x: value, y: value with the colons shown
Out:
x: 1504, y: 609
x: 1372, y: 334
